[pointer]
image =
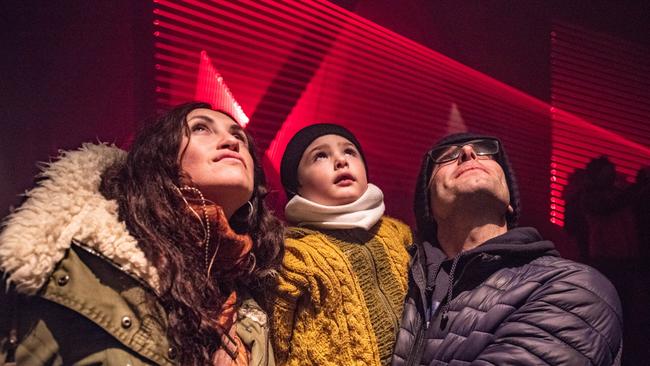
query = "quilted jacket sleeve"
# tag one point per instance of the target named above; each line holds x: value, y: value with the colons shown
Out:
x: 572, y: 319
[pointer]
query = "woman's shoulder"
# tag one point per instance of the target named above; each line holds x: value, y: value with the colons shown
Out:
x: 64, y: 204
x: 251, y: 311
x: 88, y: 292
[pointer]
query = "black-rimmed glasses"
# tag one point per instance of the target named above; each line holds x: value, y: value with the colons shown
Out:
x: 481, y: 147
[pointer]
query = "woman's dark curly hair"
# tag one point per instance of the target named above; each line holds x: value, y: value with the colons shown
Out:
x: 155, y: 214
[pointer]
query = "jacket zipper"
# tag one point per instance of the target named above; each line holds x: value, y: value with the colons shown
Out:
x: 460, y: 277
x: 425, y: 322
x: 416, y: 351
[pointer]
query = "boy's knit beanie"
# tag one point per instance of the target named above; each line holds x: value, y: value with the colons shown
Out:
x: 297, y: 146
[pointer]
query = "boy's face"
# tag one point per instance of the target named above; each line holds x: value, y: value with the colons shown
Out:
x: 331, y: 172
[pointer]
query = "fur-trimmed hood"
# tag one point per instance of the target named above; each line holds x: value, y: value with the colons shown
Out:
x: 65, y: 206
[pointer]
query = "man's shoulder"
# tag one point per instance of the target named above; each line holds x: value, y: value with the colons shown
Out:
x: 556, y: 262
x: 561, y: 269
x: 580, y: 281
x: 567, y: 268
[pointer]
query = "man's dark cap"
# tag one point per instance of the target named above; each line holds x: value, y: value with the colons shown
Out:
x: 427, y: 228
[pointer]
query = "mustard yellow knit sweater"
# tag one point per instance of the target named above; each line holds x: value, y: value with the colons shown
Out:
x: 320, y: 310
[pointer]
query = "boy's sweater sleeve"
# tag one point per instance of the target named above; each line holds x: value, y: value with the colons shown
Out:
x: 291, y: 286
x: 401, y: 231
x: 303, y: 281
x: 317, y: 311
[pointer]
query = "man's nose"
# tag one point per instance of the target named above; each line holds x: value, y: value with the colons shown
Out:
x: 467, y: 153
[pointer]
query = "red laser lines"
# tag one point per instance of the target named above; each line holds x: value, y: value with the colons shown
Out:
x: 293, y: 63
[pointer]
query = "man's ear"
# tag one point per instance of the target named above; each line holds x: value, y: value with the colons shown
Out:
x: 510, y: 209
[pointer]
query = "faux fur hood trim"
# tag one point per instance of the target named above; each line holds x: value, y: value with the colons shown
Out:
x: 65, y: 206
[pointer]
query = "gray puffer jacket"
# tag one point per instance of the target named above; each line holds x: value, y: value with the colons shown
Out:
x: 514, y: 301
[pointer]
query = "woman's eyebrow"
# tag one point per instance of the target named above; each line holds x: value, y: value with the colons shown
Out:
x: 204, y: 118
x: 236, y: 128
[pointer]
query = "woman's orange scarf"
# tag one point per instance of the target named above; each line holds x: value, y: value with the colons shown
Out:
x: 228, y: 256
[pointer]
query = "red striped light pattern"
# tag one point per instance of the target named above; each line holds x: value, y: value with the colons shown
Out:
x: 294, y: 63
x: 601, y: 98
x: 211, y: 88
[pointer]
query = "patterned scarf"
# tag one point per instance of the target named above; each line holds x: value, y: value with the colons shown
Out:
x: 227, y: 256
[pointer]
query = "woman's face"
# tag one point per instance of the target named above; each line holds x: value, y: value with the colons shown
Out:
x: 215, y: 155
x: 331, y: 172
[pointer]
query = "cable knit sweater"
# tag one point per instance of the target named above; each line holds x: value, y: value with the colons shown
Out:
x: 339, y: 295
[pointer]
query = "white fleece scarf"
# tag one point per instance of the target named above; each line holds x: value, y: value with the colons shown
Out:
x: 362, y: 213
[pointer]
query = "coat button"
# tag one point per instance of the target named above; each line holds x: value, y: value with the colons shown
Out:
x: 171, y: 353
x: 63, y: 280
x: 126, y: 322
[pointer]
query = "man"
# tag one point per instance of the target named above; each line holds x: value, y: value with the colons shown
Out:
x: 484, y: 292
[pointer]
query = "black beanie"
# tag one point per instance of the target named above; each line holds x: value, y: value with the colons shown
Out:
x: 297, y: 146
x: 427, y: 228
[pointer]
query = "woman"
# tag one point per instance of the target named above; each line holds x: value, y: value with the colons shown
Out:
x: 145, y: 257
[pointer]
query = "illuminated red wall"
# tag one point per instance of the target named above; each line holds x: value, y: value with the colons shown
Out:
x: 295, y: 63
x: 601, y: 106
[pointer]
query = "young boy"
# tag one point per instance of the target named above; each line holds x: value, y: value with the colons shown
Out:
x: 344, y: 275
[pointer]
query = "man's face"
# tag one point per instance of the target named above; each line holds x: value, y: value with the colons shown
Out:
x: 469, y: 176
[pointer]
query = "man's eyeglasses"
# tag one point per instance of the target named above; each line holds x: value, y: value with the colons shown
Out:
x: 482, y: 147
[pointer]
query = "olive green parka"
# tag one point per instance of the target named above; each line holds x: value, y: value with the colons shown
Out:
x: 79, y: 290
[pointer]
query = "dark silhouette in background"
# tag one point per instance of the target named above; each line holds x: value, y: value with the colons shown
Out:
x: 575, y: 222
x: 640, y: 197
x: 609, y: 219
